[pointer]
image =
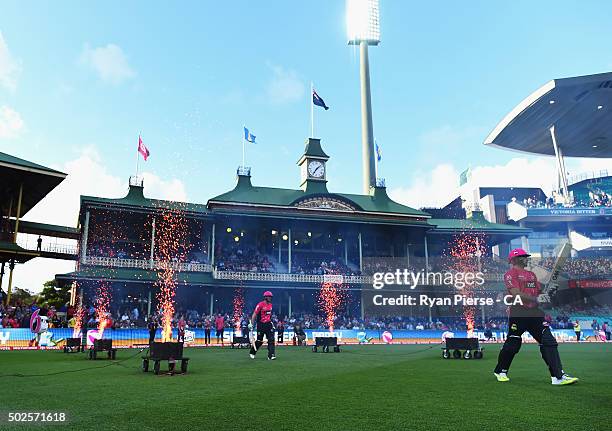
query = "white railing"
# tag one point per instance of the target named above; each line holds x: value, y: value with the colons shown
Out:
x: 587, y: 176
x: 28, y: 243
x: 310, y: 278
x: 145, y: 264
x: 114, y: 262
x: 291, y: 278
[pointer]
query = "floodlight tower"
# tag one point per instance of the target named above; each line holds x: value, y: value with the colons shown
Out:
x: 362, y: 22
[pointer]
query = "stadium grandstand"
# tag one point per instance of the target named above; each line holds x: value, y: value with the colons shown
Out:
x: 293, y: 240
x: 567, y: 117
x: 256, y: 238
x: 22, y: 185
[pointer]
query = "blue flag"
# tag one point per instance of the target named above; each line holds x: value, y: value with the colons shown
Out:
x: 317, y: 100
x: 248, y: 136
x: 378, y: 152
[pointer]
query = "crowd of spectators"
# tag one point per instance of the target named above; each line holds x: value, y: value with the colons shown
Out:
x: 128, y: 317
x: 317, y: 266
x: 18, y: 315
x: 242, y: 259
x: 582, y: 267
x: 596, y: 199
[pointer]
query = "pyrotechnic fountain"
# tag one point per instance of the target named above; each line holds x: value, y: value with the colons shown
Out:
x: 238, y: 307
x: 331, y: 298
x: 466, y: 251
x: 102, y: 305
x: 171, y: 232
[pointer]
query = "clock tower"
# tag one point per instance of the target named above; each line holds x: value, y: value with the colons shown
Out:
x: 312, y: 164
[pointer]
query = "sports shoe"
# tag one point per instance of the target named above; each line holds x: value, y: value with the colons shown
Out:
x: 272, y: 358
x: 252, y: 356
x: 564, y: 380
x: 501, y: 377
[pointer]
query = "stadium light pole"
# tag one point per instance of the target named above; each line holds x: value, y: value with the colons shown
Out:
x: 363, y: 28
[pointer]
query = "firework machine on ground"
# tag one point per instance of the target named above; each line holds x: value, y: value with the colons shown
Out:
x: 241, y: 342
x: 324, y: 343
x: 103, y: 345
x: 73, y: 345
x: 171, y: 352
x: 470, y: 347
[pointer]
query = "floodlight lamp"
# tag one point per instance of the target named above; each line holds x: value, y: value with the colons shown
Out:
x: 362, y: 22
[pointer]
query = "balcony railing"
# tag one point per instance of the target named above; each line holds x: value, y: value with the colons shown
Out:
x: 291, y: 278
x: 310, y: 278
x: 26, y: 242
x: 114, y: 262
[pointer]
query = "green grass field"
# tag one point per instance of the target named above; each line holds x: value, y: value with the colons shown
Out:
x: 363, y: 387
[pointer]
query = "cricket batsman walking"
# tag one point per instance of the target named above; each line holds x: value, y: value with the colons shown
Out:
x: 263, y: 317
x: 528, y: 317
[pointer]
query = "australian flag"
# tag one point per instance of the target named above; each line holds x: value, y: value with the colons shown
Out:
x: 248, y: 136
x: 316, y: 99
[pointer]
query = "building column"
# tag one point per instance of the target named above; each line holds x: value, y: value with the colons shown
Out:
x: 1, y: 274
x: 10, y: 282
x: 407, y: 254
x: 362, y: 308
x: 18, y: 215
x: 212, y: 245
x: 84, y: 237
x: 560, y: 164
x: 345, y: 252
x: 212, y: 303
x: 289, y: 315
x: 360, y: 254
x: 152, y: 256
x: 280, y: 246
x: 149, y: 303
x: 289, y: 252
x: 12, y: 263
x: 426, y: 256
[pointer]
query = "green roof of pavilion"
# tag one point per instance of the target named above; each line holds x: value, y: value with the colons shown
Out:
x: 248, y: 195
x: 37, y: 181
x: 135, y: 199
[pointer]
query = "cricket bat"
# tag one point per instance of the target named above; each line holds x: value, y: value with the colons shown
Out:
x: 552, y: 279
x: 252, y: 337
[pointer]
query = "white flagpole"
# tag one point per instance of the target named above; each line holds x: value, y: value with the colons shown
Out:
x: 243, y: 146
x: 311, y: 111
x: 137, y: 157
x: 375, y: 159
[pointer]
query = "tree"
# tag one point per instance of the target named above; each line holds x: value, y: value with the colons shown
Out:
x: 54, y: 295
x: 23, y: 296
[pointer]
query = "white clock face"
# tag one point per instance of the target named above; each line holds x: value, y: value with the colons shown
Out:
x: 316, y: 169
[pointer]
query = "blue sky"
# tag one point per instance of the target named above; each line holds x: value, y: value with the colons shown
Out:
x: 79, y: 81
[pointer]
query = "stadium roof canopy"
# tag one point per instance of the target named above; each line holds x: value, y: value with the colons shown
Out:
x: 580, y: 108
x: 37, y: 180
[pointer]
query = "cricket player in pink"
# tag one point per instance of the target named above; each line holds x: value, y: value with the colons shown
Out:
x: 263, y: 317
x: 523, y: 283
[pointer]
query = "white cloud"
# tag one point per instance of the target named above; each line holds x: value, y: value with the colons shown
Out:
x: 285, y: 86
x: 109, y: 62
x: 11, y: 123
x: 158, y: 188
x: 431, y: 189
x: 87, y: 175
x: 441, y: 185
x: 9, y: 67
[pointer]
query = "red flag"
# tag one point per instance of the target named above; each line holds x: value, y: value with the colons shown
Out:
x: 142, y: 149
